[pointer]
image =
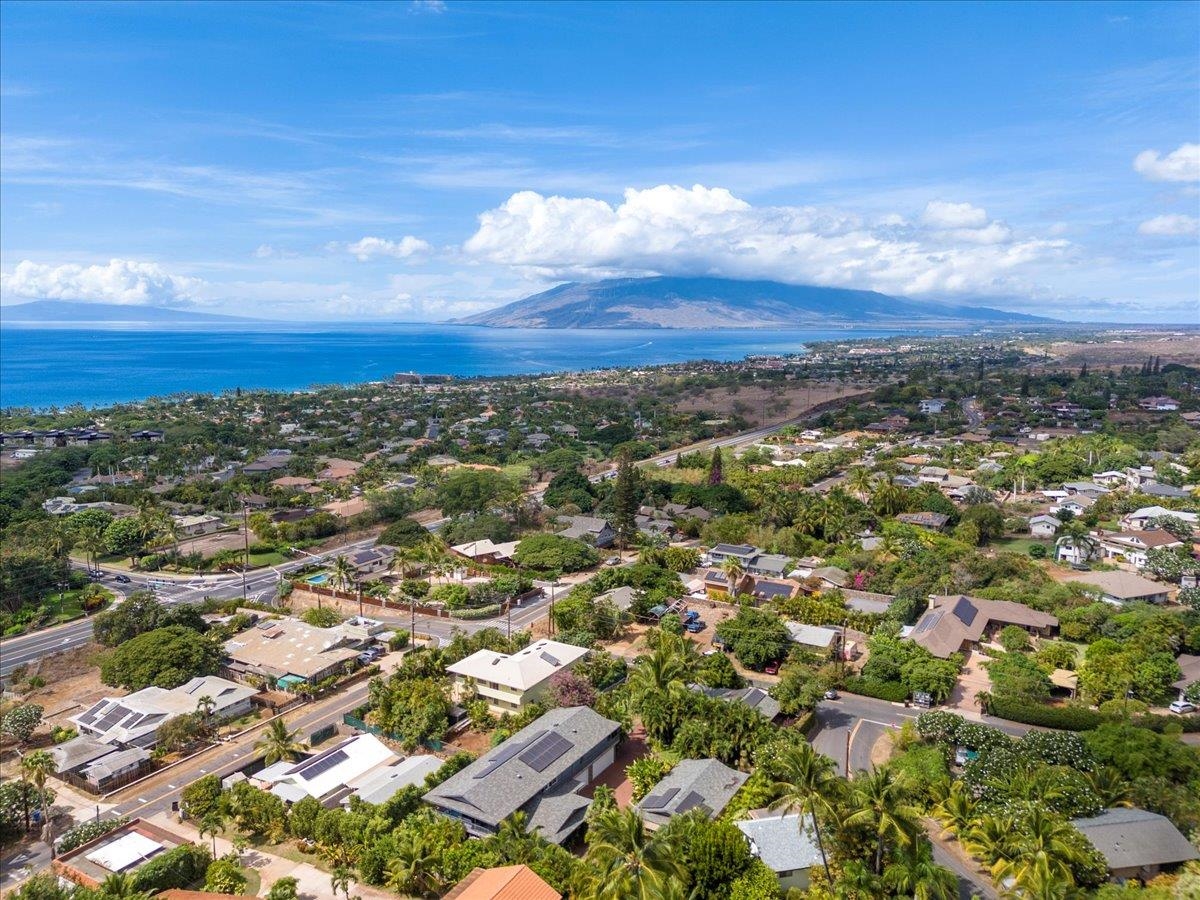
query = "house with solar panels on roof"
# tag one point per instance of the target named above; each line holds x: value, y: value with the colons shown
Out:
x: 704, y: 784
x: 330, y: 775
x: 956, y: 623
x: 539, y: 771
x: 133, y: 720
x: 511, y: 681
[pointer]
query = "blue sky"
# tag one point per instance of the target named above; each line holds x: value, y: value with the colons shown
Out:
x: 427, y: 160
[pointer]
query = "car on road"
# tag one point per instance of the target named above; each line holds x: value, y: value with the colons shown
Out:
x: 613, y: 561
x: 95, y: 573
x: 123, y: 579
x: 1182, y: 707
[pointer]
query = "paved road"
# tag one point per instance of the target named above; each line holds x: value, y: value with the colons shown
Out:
x: 972, y: 411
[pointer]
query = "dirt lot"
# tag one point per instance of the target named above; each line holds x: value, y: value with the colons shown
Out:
x: 781, y: 403
x: 210, y: 544
x: 1116, y: 350
x: 72, y: 682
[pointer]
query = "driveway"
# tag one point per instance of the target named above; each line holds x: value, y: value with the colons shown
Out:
x: 971, y: 680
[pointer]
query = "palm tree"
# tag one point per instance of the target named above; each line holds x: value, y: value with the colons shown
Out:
x: 1039, y: 879
x: 859, y: 481
x: 879, y: 802
x: 415, y: 867
x: 628, y: 861
x: 121, y: 886
x: 656, y: 673
x: 733, y: 574
x: 36, y: 767
x: 1110, y: 786
x: 887, y: 498
x: 1042, y: 835
x: 206, y: 705
x: 278, y: 743
x: 514, y: 841
x: 915, y: 874
x: 339, y: 880
x: 342, y: 575
x: 806, y: 785
x: 212, y: 824
x: 992, y: 839
x: 1075, y: 534
x: 956, y: 810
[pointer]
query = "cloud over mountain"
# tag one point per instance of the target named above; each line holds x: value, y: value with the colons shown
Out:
x: 122, y: 281
x: 951, y: 248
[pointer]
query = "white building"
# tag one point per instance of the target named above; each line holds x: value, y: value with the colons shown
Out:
x: 509, y: 682
x: 328, y: 775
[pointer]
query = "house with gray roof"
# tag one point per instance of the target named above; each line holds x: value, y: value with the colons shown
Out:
x: 705, y: 784
x: 595, y: 531
x: 784, y: 847
x: 954, y: 623
x: 754, y: 697
x: 538, y: 771
x: 1136, y: 843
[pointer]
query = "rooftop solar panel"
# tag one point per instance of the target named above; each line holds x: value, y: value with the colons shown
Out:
x: 322, y: 764
x: 691, y: 801
x: 504, y: 753
x: 545, y: 750
x: 659, y: 801
x: 91, y: 715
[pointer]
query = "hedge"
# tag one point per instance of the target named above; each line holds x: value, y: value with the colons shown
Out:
x: 1079, y: 718
x: 177, y: 868
x: 1071, y: 718
x: 893, y: 691
x: 482, y: 612
x: 87, y: 831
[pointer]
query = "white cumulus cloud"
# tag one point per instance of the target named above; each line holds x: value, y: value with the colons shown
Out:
x: 1178, y: 165
x: 1171, y: 225
x: 370, y: 247
x: 940, y: 214
x: 122, y: 281
x: 672, y: 230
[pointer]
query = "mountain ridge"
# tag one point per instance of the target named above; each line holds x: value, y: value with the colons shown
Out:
x: 700, y: 302
x: 68, y: 312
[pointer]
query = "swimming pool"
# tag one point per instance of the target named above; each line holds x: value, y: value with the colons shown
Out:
x: 320, y: 578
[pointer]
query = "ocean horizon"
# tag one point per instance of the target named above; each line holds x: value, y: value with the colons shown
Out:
x: 44, y: 366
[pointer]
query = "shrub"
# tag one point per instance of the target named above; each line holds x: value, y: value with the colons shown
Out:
x: 483, y: 612
x: 87, y: 831
x: 1069, y: 718
x: 321, y: 617
x: 224, y: 876
x: 892, y: 691
x: 176, y: 868
x: 202, y: 796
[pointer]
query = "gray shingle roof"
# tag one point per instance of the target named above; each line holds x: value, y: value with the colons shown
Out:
x: 754, y: 697
x: 532, y: 770
x: 1132, y: 838
x: 706, y: 784
x: 780, y: 844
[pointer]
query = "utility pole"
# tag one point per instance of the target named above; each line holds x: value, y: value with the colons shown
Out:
x: 245, y: 545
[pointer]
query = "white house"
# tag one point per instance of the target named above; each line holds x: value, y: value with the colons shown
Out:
x: 784, y: 847
x: 1044, y: 526
x: 1132, y: 546
x: 191, y: 526
x: 1139, y: 518
x: 509, y: 682
x: 328, y: 775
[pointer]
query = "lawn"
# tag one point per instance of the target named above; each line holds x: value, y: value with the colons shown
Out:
x: 1022, y: 544
x: 270, y: 558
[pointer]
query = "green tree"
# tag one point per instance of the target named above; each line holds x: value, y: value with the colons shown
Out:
x: 286, y: 888
x: 553, y: 552
x: 224, y: 876
x: 806, y: 784
x: 22, y: 721
x: 625, y: 500
x: 626, y: 861
x: 277, y: 743
x: 165, y: 657
x: 36, y: 767
x: 880, y: 803
x: 124, y: 537
x: 212, y: 824
x: 474, y: 491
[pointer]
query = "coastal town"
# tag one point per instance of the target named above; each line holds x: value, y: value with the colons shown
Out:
x: 893, y: 618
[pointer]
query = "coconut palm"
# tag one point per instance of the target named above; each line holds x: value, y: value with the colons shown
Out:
x: 879, y: 801
x: 36, y: 767
x: 206, y: 705
x: 1076, y: 534
x: 415, y: 867
x: 121, y: 886
x: 342, y: 575
x: 733, y: 574
x: 915, y: 874
x: 277, y: 743
x: 992, y: 839
x: 887, y: 498
x: 860, y: 480
x: 1110, y: 786
x: 806, y: 785
x: 212, y: 824
x: 656, y: 673
x: 1041, y: 834
x: 1039, y: 879
x: 956, y: 811
x: 515, y: 842
x: 628, y: 861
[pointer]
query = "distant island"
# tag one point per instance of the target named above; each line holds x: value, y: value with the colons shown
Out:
x: 77, y: 312
x: 667, y: 302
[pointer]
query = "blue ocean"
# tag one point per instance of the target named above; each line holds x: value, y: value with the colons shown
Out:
x: 55, y: 367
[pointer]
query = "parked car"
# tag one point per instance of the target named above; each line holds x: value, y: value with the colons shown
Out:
x: 831, y: 694
x: 691, y: 616
x: 695, y: 626
x: 613, y: 561
x: 123, y: 579
x: 772, y: 668
x: 1182, y: 707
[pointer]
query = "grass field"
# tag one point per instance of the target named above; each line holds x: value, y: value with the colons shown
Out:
x: 1022, y: 544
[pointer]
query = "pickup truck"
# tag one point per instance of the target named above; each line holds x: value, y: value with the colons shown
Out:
x: 695, y: 626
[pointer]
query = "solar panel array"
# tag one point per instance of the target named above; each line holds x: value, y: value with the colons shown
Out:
x: 322, y: 764
x: 965, y: 611
x: 691, y: 801
x: 91, y: 715
x: 928, y: 622
x: 659, y: 801
x: 504, y: 753
x: 545, y: 750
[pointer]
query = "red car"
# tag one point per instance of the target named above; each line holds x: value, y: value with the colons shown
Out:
x: 772, y: 668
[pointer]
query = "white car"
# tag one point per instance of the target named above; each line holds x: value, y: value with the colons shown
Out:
x: 1182, y: 706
